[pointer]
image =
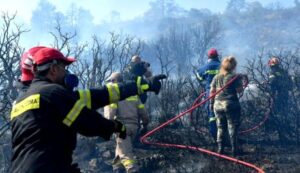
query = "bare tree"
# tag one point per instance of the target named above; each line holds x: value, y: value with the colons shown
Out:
x: 177, y: 51
x: 10, y: 53
x: 205, y: 35
x: 102, y: 58
x: 66, y: 41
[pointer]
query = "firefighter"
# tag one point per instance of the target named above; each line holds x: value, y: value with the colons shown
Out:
x: 226, y: 104
x: 46, y: 119
x: 205, y: 74
x: 129, y: 112
x: 280, y: 83
x: 137, y: 67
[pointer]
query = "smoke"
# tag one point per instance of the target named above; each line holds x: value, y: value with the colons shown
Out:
x: 244, y: 32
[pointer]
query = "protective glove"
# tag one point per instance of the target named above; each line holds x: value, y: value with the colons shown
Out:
x: 144, y: 130
x: 121, y: 129
x: 150, y: 84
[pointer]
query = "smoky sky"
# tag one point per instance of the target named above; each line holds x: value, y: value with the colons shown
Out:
x: 246, y: 27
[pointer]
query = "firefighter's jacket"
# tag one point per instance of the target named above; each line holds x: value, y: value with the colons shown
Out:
x: 208, y: 71
x: 128, y: 111
x: 137, y: 69
x: 280, y: 84
x: 279, y: 80
x: 22, y: 87
x: 46, y: 119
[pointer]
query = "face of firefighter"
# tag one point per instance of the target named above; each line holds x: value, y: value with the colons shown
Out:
x: 58, y: 73
x: 63, y: 77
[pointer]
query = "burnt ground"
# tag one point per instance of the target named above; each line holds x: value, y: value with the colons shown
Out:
x: 271, y: 156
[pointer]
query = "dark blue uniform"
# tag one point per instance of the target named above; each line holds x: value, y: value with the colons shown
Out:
x: 207, y: 73
x: 280, y: 84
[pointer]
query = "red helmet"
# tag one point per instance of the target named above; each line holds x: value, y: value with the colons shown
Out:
x: 47, y: 55
x: 212, y: 53
x: 273, y: 61
x: 26, y: 63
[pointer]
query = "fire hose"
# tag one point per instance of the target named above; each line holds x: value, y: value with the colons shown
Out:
x: 144, y: 140
x: 254, y: 127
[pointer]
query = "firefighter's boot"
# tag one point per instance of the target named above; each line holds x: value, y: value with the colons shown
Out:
x: 235, y: 149
x: 220, y: 148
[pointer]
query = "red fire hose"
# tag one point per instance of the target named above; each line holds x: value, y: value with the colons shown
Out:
x: 144, y: 140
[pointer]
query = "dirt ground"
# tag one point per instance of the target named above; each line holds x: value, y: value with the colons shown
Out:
x: 270, y: 156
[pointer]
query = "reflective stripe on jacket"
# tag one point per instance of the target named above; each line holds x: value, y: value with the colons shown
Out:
x: 127, y: 111
x: 208, y: 71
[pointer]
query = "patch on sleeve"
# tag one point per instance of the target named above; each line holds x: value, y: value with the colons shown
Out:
x: 29, y: 103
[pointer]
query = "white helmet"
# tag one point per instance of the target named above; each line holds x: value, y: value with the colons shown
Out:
x: 136, y: 59
x: 115, y: 77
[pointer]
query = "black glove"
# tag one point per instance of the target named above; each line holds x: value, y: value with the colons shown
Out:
x: 144, y: 130
x: 120, y: 128
x: 151, y: 84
